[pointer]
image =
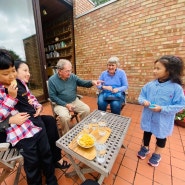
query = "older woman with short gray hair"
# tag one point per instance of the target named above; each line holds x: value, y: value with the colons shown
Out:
x: 113, y: 60
x: 113, y: 87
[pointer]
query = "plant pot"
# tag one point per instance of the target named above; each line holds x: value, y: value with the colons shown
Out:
x: 180, y: 123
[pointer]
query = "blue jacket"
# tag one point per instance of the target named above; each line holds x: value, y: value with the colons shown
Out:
x: 170, y: 97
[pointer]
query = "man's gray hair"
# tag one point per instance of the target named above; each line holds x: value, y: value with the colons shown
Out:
x: 61, y: 63
x: 113, y: 59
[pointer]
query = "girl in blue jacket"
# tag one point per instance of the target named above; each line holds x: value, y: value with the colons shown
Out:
x: 162, y: 98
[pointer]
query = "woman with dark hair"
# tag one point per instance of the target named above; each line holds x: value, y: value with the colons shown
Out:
x: 28, y: 103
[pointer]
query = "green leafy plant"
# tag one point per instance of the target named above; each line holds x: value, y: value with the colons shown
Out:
x: 180, y: 115
x: 99, y: 2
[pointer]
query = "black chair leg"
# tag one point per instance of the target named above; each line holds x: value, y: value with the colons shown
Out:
x: 75, y: 115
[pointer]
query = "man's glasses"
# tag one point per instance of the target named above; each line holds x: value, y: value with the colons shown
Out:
x: 66, y: 71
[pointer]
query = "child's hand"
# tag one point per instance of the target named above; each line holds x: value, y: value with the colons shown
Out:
x: 146, y: 103
x: 19, y: 118
x: 12, y: 90
x: 38, y: 111
x: 156, y: 108
x: 30, y: 101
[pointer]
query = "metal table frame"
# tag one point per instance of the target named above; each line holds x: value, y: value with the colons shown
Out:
x: 118, y: 124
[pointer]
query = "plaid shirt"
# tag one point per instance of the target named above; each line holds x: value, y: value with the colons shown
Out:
x: 15, y: 132
x: 30, y: 96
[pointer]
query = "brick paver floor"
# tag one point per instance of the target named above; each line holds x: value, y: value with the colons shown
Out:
x: 128, y: 169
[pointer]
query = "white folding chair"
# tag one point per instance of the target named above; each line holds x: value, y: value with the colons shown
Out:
x: 10, y: 161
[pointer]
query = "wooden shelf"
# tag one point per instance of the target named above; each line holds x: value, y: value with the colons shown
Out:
x: 56, y: 26
x: 60, y: 40
x: 68, y: 32
x: 62, y: 47
x: 59, y: 49
x: 57, y: 58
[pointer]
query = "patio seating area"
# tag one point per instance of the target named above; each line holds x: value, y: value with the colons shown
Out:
x: 128, y: 169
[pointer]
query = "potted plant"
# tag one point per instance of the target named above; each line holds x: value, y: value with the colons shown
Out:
x: 180, y: 118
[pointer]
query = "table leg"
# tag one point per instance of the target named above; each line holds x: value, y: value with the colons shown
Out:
x: 83, y: 171
x: 77, y: 169
x: 80, y: 172
x: 100, y: 181
x: 123, y: 146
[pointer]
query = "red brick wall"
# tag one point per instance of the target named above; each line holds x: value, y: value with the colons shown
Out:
x: 32, y: 58
x: 138, y: 32
x: 81, y: 6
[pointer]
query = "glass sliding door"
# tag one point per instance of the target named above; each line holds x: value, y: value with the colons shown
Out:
x: 18, y: 34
